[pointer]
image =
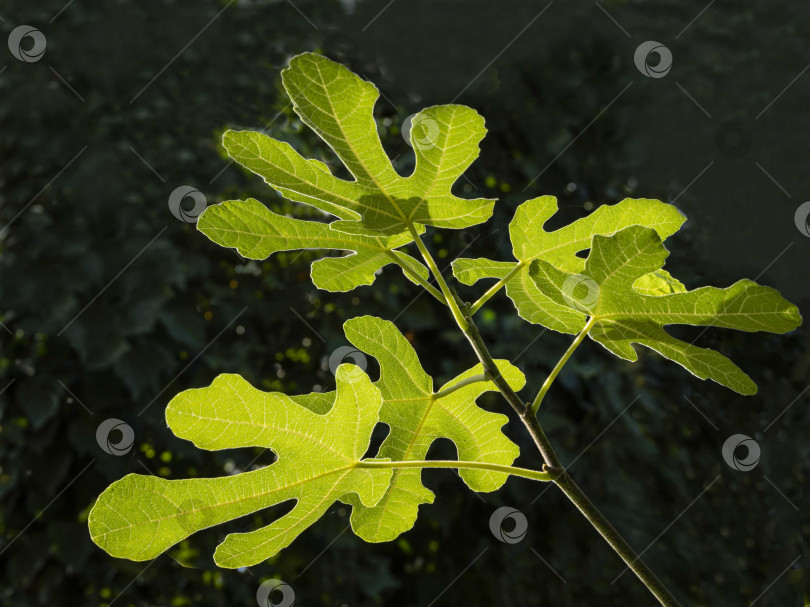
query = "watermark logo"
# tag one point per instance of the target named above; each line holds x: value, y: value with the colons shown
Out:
x: 104, y: 439
x: 519, y: 528
x: 580, y: 291
x: 420, y: 131
x: 348, y: 373
x: 176, y: 200
x: 275, y: 593
x: 19, y: 38
x: 802, y: 218
x: 468, y: 237
x: 658, y: 69
x: 743, y: 464
x: 733, y: 139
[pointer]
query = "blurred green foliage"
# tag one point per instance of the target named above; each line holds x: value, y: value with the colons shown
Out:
x: 144, y: 322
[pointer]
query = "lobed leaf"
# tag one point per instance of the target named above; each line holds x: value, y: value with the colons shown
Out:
x: 531, y: 241
x: 256, y: 232
x: 139, y: 517
x: 622, y: 315
x: 417, y: 415
x: 338, y: 105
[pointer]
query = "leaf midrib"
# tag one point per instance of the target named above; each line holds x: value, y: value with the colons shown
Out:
x: 231, y: 502
x: 303, y: 519
x: 352, y: 148
x: 265, y: 426
x: 350, y: 202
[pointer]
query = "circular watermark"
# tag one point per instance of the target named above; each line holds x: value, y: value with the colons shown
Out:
x: 275, y: 593
x: 658, y: 69
x: 420, y: 131
x: 468, y: 237
x: 518, y: 531
x: 104, y: 432
x: 176, y: 203
x: 348, y: 373
x: 17, y: 40
x: 743, y: 464
x: 802, y: 218
x: 580, y: 291
x: 733, y: 139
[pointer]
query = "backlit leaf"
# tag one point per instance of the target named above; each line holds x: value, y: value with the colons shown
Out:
x: 530, y: 241
x: 139, y: 517
x: 338, y: 105
x: 256, y: 232
x: 417, y: 417
x: 624, y: 316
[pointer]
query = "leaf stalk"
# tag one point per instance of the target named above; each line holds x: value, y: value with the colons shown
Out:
x: 561, y: 363
x: 474, y: 379
x: 536, y: 475
x: 416, y: 278
x: 496, y: 287
x: 448, y: 295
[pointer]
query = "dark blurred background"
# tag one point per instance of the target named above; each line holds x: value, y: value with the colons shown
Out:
x: 110, y: 306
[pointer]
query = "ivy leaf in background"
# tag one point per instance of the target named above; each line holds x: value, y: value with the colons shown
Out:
x: 256, y: 232
x: 531, y: 241
x: 417, y: 415
x: 621, y: 316
x: 139, y: 517
x: 338, y: 105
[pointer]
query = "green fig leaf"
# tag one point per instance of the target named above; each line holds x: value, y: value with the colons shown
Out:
x: 531, y: 241
x: 621, y: 314
x: 417, y: 415
x: 139, y: 516
x: 338, y: 106
x: 256, y: 232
